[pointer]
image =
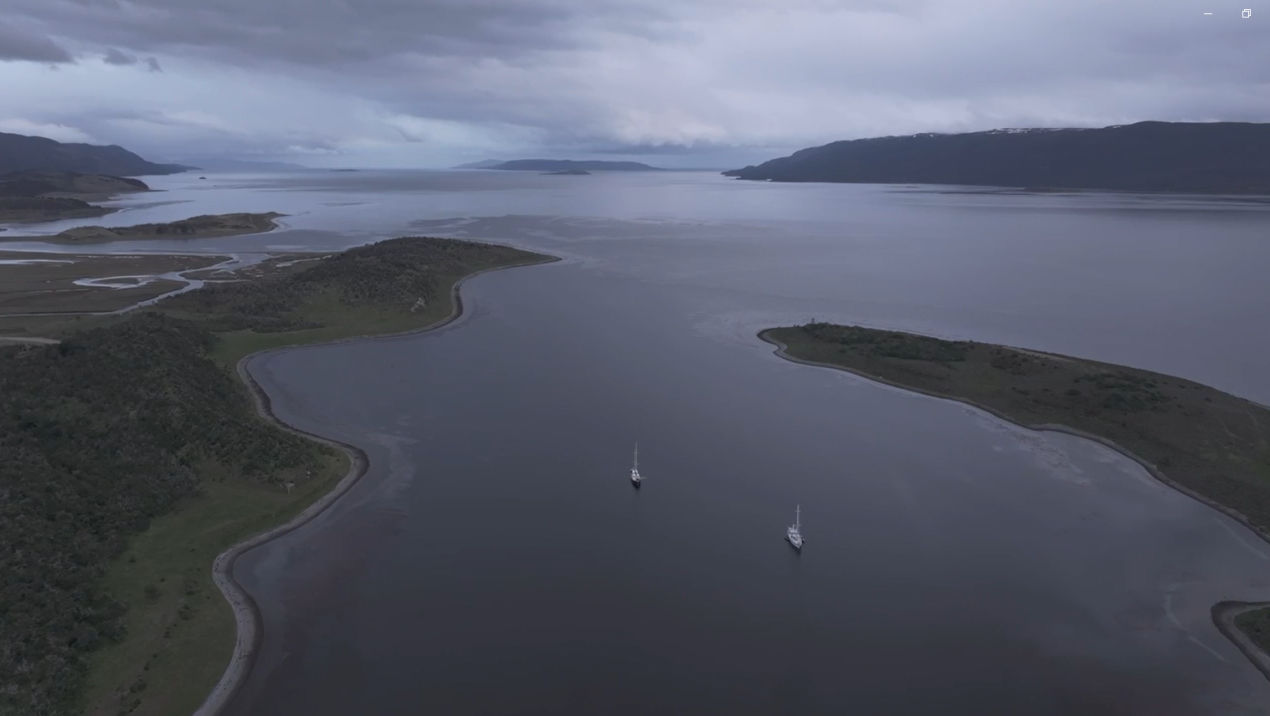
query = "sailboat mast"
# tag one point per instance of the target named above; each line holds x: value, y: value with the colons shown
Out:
x: 798, y: 517
x: 636, y: 456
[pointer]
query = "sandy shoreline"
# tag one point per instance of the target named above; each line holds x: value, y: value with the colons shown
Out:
x: 250, y: 626
x: 1223, y: 613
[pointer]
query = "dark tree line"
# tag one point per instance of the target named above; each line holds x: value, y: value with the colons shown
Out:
x: 99, y: 435
x: 889, y: 344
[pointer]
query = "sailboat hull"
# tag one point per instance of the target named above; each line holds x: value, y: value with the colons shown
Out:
x: 636, y: 478
x: 794, y: 533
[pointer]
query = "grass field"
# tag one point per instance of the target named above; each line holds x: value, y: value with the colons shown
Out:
x: 1256, y: 624
x: 26, y: 288
x: 180, y: 630
x: 43, y: 283
x: 339, y: 322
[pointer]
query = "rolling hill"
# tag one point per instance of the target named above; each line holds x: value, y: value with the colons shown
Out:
x: 19, y: 152
x: 1214, y: 157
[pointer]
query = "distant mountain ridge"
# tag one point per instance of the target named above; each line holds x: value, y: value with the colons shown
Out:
x: 244, y: 165
x: 1209, y: 157
x: 19, y: 152
x: 483, y: 164
x: 558, y: 165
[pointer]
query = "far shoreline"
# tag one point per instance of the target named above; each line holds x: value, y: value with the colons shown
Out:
x: 1223, y: 613
x: 247, y: 615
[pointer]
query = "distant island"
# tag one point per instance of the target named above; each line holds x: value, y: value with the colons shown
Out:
x: 483, y: 164
x: 197, y: 227
x: 1212, y: 157
x: 34, y: 196
x: 22, y: 153
x: 240, y: 165
x: 559, y: 165
x: 568, y: 172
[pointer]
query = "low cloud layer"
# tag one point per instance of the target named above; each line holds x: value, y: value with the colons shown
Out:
x: 117, y: 58
x: 403, y: 82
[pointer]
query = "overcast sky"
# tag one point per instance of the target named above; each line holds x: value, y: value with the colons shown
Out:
x: 676, y: 82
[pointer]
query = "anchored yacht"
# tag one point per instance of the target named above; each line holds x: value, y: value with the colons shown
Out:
x: 794, y: 534
x: 636, y: 478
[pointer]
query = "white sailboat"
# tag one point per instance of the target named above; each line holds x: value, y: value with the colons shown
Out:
x: 636, y: 478
x: 794, y: 534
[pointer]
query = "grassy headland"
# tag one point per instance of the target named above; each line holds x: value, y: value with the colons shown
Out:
x: 34, y: 196
x: 35, y: 209
x: 1256, y: 624
x: 1209, y: 444
x: 206, y: 226
x: 389, y: 287
x: 131, y: 455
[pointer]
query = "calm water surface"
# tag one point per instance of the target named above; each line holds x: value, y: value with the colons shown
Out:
x: 496, y: 560
x: 1174, y: 284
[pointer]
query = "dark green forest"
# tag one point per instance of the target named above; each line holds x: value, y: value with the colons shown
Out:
x: 98, y: 435
x: 112, y: 427
x: 1224, y: 157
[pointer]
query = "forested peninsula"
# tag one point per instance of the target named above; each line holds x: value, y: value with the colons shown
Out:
x: 131, y: 455
x: 1209, y: 157
x: 50, y: 195
x: 1208, y: 444
x: 205, y: 226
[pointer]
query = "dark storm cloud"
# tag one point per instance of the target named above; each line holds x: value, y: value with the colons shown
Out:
x: 115, y: 57
x: 659, y: 76
x: 123, y: 59
x: 341, y: 31
x: 18, y: 45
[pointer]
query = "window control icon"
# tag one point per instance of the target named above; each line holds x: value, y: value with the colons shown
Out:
x: 1247, y: 13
